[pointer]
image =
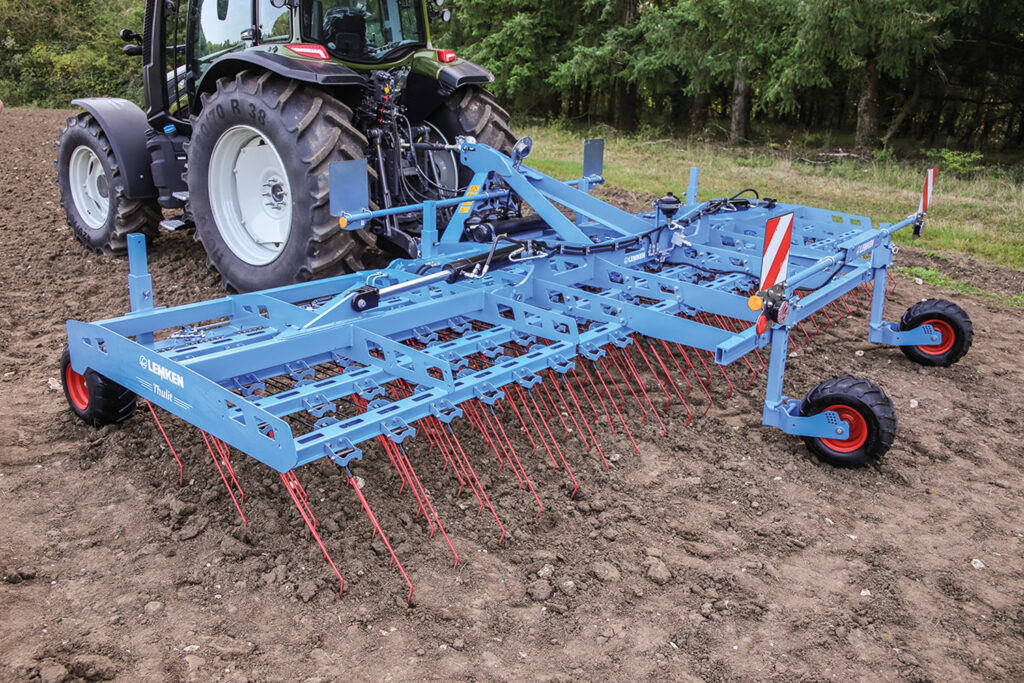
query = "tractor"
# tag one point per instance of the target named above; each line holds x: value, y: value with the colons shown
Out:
x: 247, y: 104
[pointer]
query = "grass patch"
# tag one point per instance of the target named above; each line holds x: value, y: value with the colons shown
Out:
x: 932, y: 277
x: 977, y: 213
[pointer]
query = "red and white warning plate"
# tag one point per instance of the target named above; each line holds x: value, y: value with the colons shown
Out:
x: 926, y: 194
x: 775, y: 260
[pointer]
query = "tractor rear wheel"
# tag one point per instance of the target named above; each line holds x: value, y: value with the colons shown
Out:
x: 95, y: 399
x: 472, y: 111
x: 865, y: 407
x: 92, y: 191
x: 259, y: 184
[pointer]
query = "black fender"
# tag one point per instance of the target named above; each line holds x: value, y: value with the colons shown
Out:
x: 125, y: 125
x: 320, y: 73
x: 453, y: 77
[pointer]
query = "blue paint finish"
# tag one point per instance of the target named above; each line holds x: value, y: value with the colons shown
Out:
x: 274, y: 373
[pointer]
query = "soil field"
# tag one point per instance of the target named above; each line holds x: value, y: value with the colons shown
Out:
x: 722, y: 551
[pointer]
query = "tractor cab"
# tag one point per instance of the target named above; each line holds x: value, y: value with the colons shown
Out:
x: 367, y: 31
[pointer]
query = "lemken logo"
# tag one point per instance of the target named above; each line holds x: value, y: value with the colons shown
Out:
x: 162, y: 372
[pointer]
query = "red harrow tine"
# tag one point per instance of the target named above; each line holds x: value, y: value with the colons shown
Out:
x: 597, y: 371
x: 477, y: 421
x: 635, y: 374
x: 552, y: 407
x: 298, y: 494
x: 181, y: 468
x: 568, y: 411
x: 668, y: 396
x: 450, y: 440
x: 472, y: 472
x: 396, y: 454
x: 707, y: 393
x: 586, y: 424
x: 437, y: 520
x: 225, y: 454
x: 597, y: 416
x: 515, y: 456
x: 489, y: 420
x: 526, y: 409
x: 629, y: 385
x: 689, y: 386
x: 378, y: 530
x: 231, y: 493
x: 554, y: 442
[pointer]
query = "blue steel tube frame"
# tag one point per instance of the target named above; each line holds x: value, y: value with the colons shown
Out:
x: 279, y: 328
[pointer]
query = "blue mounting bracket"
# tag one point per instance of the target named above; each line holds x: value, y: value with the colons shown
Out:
x: 786, y: 416
x: 890, y: 333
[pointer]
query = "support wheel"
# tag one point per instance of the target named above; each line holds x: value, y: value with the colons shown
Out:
x: 259, y: 185
x: 97, y: 400
x: 92, y: 192
x: 869, y: 412
x: 950, y: 321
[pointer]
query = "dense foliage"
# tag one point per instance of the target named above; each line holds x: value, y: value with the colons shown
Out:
x: 944, y: 73
x: 53, y: 51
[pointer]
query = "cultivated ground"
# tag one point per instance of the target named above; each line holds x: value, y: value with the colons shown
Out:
x: 722, y: 551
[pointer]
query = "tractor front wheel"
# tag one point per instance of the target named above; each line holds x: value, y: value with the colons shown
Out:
x: 92, y: 191
x: 956, y: 333
x: 865, y: 407
x: 95, y: 399
x: 259, y: 184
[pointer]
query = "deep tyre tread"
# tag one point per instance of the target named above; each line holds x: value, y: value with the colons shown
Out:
x: 312, y: 130
x: 108, y: 402
x: 473, y: 111
x: 866, y: 398
x: 125, y: 216
x: 945, y: 312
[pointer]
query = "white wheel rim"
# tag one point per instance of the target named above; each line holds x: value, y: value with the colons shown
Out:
x: 250, y: 196
x: 90, y: 189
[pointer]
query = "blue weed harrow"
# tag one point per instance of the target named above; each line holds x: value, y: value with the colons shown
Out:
x: 537, y: 317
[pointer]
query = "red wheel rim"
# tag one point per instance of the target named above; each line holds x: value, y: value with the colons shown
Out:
x: 945, y: 342
x: 78, y: 390
x: 858, y: 430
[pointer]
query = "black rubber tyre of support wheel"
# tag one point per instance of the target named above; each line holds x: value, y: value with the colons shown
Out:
x: 472, y: 111
x: 312, y: 129
x: 124, y: 216
x: 869, y: 411
x: 95, y: 399
x: 948, y: 319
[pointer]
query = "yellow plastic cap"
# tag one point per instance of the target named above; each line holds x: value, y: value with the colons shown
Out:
x: 754, y: 303
x: 343, y: 222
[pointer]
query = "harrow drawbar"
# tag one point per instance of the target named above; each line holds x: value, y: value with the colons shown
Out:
x: 543, y: 336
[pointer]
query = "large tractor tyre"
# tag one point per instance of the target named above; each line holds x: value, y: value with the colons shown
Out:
x: 92, y: 190
x: 956, y: 333
x: 865, y: 407
x: 472, y: 111
x: 95, y: 399
x: 259, y: 186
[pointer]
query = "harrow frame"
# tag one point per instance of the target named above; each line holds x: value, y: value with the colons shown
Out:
x: 210, y: 363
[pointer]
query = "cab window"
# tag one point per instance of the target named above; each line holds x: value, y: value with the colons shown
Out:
x: 220, y: 27
x: 275, y: 22
x: 363, y: 30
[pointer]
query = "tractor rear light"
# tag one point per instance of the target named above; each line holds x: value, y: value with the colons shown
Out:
x: 309, y: 50
x: 446, y: 56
